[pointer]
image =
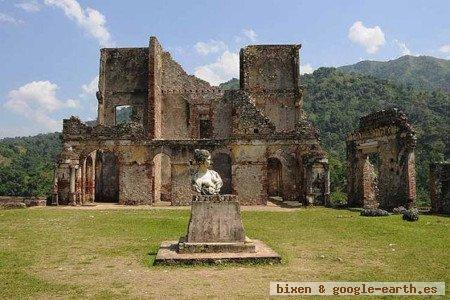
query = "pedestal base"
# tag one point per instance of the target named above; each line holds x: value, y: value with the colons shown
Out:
x: 168, y: 255
x: 215, y: 247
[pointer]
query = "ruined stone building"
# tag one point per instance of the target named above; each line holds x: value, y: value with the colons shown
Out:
x: 381, y: 162
x: 152, y: 115
x: 439, y: 183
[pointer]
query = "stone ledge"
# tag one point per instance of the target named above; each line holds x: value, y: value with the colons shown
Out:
x: 185, y: 247
x: 214, y: 198
x: 168, y: 255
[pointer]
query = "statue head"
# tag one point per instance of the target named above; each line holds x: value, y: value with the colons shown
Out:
x: 205, y: 181
x: 202, y: 158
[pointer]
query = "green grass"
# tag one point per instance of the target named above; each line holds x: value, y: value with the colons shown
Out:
x: 54, y: 252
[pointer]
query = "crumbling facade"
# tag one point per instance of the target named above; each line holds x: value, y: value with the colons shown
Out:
x: 261, y: 143
x: 439, y: 184
x: 381, y: 165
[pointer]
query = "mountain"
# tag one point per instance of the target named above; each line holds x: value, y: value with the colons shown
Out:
x: 232, y: 84
x: 423, y: 72
x: 335, y: 100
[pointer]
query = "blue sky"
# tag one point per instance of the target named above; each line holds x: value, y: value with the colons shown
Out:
x: 49, y: 49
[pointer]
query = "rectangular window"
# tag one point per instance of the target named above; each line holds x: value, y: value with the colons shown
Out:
x: 205, y: 129
x: 127, y: 114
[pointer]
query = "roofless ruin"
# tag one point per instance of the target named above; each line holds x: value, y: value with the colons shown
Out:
x: 152, y: 115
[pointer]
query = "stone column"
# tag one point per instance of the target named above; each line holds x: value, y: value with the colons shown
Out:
x: 79, y: 185
x: 72, y: 194
x: 83, y: 182
x: 326, y: 193
x: 309, y: 195
x: 411, y: 180
x: 55, y: 196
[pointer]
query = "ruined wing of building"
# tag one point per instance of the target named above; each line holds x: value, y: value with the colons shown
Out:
x: 381, y: 162
x: 152, y: 115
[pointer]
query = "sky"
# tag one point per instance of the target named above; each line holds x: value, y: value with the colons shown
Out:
x: 49, y: 49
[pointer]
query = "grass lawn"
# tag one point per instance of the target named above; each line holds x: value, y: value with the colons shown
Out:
x: 54, y: 252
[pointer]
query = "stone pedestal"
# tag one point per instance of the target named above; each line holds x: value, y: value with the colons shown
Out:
x: 215, y: 234
x: 215, y: 226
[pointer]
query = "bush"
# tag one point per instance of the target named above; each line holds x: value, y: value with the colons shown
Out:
x: 338, y: 197
x: 411, y: 215
x: 399, y: 210
x: 374, y: 212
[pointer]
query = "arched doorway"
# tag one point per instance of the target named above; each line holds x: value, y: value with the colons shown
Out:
x: 222, y: 165
x: 274, y: 177
x: 106, y: 177
x: 162, y: 178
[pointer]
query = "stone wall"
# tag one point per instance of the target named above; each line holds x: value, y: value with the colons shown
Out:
x: 123, y: 80
x: 19, y: 202
x: 270, y: 73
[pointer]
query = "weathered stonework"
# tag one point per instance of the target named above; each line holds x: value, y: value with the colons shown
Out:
x: 215, y: 226
x: 390, y: 182
x: 439, y: 181
x: 258, y: 136
x: 19, y: 202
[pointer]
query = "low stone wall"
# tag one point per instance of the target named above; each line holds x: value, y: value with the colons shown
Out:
x: 21, y: 202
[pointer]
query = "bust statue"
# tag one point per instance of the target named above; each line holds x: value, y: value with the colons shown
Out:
x: 205, y: 181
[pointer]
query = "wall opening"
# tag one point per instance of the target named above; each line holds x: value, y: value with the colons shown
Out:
x: 318, y: 182
x: 222, y: 165
x: 205, y: 129
x: 162, y: 178
x: 274, y: 177
x: 125, y: 114
x: 372, y: 171
x: 106, y: 177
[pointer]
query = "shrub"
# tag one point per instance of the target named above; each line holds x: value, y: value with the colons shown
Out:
x: 399, y: 210
x: 374, y: 212
x: 411, y: 215
x: 338, y: 197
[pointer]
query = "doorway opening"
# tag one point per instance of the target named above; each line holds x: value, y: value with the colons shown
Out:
x: 106, y: 177
x: 274, y: 177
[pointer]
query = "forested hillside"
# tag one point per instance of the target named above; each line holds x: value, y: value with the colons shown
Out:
x: 422, y: 72
x: 334, y: 102
x: 27, y: 164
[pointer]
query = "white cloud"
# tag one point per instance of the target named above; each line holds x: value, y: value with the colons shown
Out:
x: 205, y: 48
x: 445, y: 48
x: 88, y: 95
x: 250, y: 34
x: 224, y: 68
x: 306, y: 69
x: 7, y: 19
x: 89, y: 19
x: 36, y: 101
x: 404, y: 50
x: 370, y: 38
x: 29, y: 6
x: 226, y: 65
x: 92, y: 87
x: 246, y: 35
